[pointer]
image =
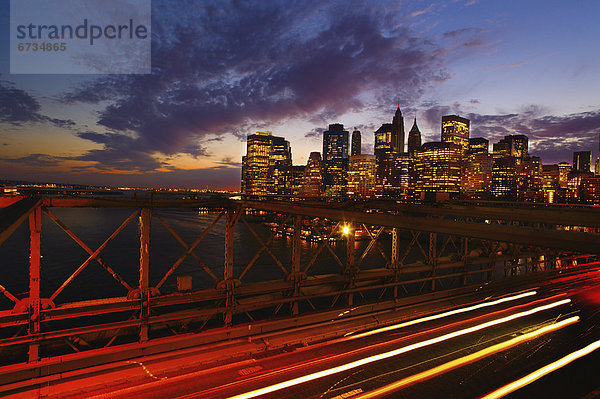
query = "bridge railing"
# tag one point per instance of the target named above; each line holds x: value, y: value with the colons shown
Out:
x: 403, y: 251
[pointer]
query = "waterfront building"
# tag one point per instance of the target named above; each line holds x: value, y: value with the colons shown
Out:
x: 564, y: 168
x: 590, y: 189
x: 335, y: 160
x: 297, y: 178
x: 356, y: 142
x: 361, y: 176
x: 455, y: 130
x: 529, y: 179
x: 476, y: 176
x: 582, y: 161
x: 394, y: 179
x: 437, y: 168
x: 550, y: 184
x: 414, y: 138
x: 280, y: 166
x: 478, y: 144
x: 255, y: 165
x: 504, y: 182
x: 312, y: 179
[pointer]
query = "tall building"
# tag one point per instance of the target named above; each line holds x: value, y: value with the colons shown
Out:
x: 550, y: 185
x: 456, y: 130
x: 361, y: 176
x: 297, y: 178
x: 437, y: 167
x: 280, y: 166
x: 398, y: 131
x: 514, y: 145
x: 529, y: 179
x: 509, y: 154
x: 356, y: 142
x: 504, y: 178
x: 564, y: 168
x: 597, y: 169
x: 312, y: 179
x: 476, y: 176
x: 582, y: 161
x: 255, y: 165
x: 414, y: 138
x: 335, y: 159
x: 394, y: 175
x: 384, y: 140
x: 478, y: 144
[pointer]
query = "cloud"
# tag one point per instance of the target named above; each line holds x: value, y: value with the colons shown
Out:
x: 228, y: 162
x: 35, y: 160
x: 315, y: 133
x: 18, y: 107
x: 229, y: 73
x: 119, y: 152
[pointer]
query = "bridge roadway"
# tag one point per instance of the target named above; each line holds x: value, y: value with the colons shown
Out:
x: 481, y: 343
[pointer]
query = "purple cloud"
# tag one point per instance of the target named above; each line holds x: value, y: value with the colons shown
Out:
x: 222, y: 73
x: 18, y: 107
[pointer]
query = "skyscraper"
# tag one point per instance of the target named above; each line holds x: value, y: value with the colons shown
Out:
x: 255, y: 165
x: 280, y: 166
x: 361, y: 176
x: 414, y: 138
x: 582, y: 161
x: 437, y: 168
x: 312, y: 178
x: 513, y: 145
x: 335, y: 159
x: 398, y: 131
x: 478, y: 144
x: 509, y: 154
x: 456, y: 130
x: 356, y: 142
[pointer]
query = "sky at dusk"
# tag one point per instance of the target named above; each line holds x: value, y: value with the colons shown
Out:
x: 222, y: 70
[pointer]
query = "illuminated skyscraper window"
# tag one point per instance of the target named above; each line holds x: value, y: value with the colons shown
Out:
x: 361, y: 176
x: 356, y: 143
x: 437, y: 168
x: 455, y: 130
x: 335, y: 159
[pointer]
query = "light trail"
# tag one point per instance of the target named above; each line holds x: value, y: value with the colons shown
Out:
x: 529, y: 378
x: 473, y: 357
x: 442, y: 315
x: 395, y: 352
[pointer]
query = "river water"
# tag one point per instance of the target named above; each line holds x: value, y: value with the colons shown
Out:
x: 61, y: 255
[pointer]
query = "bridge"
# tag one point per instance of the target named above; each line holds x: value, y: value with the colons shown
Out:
x: 390, y: 268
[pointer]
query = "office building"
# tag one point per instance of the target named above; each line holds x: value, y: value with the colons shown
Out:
x: 437, y: 168
x: 455, y: 130
x: 582, y: 161
x: 335, y: 160
x: 255, y: 165
x: 398, y: 131
x: 361, y: 176
x: 356, y: 143
x: 414, y: 138
x: 312, y: 179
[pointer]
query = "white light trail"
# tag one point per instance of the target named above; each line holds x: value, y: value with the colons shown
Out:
x: 445, y: 314
x: 529, y: 378
x: 473, y: 357
x: 395, y: 352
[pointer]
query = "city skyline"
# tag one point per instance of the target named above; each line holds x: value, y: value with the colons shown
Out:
x: 510, y: 69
